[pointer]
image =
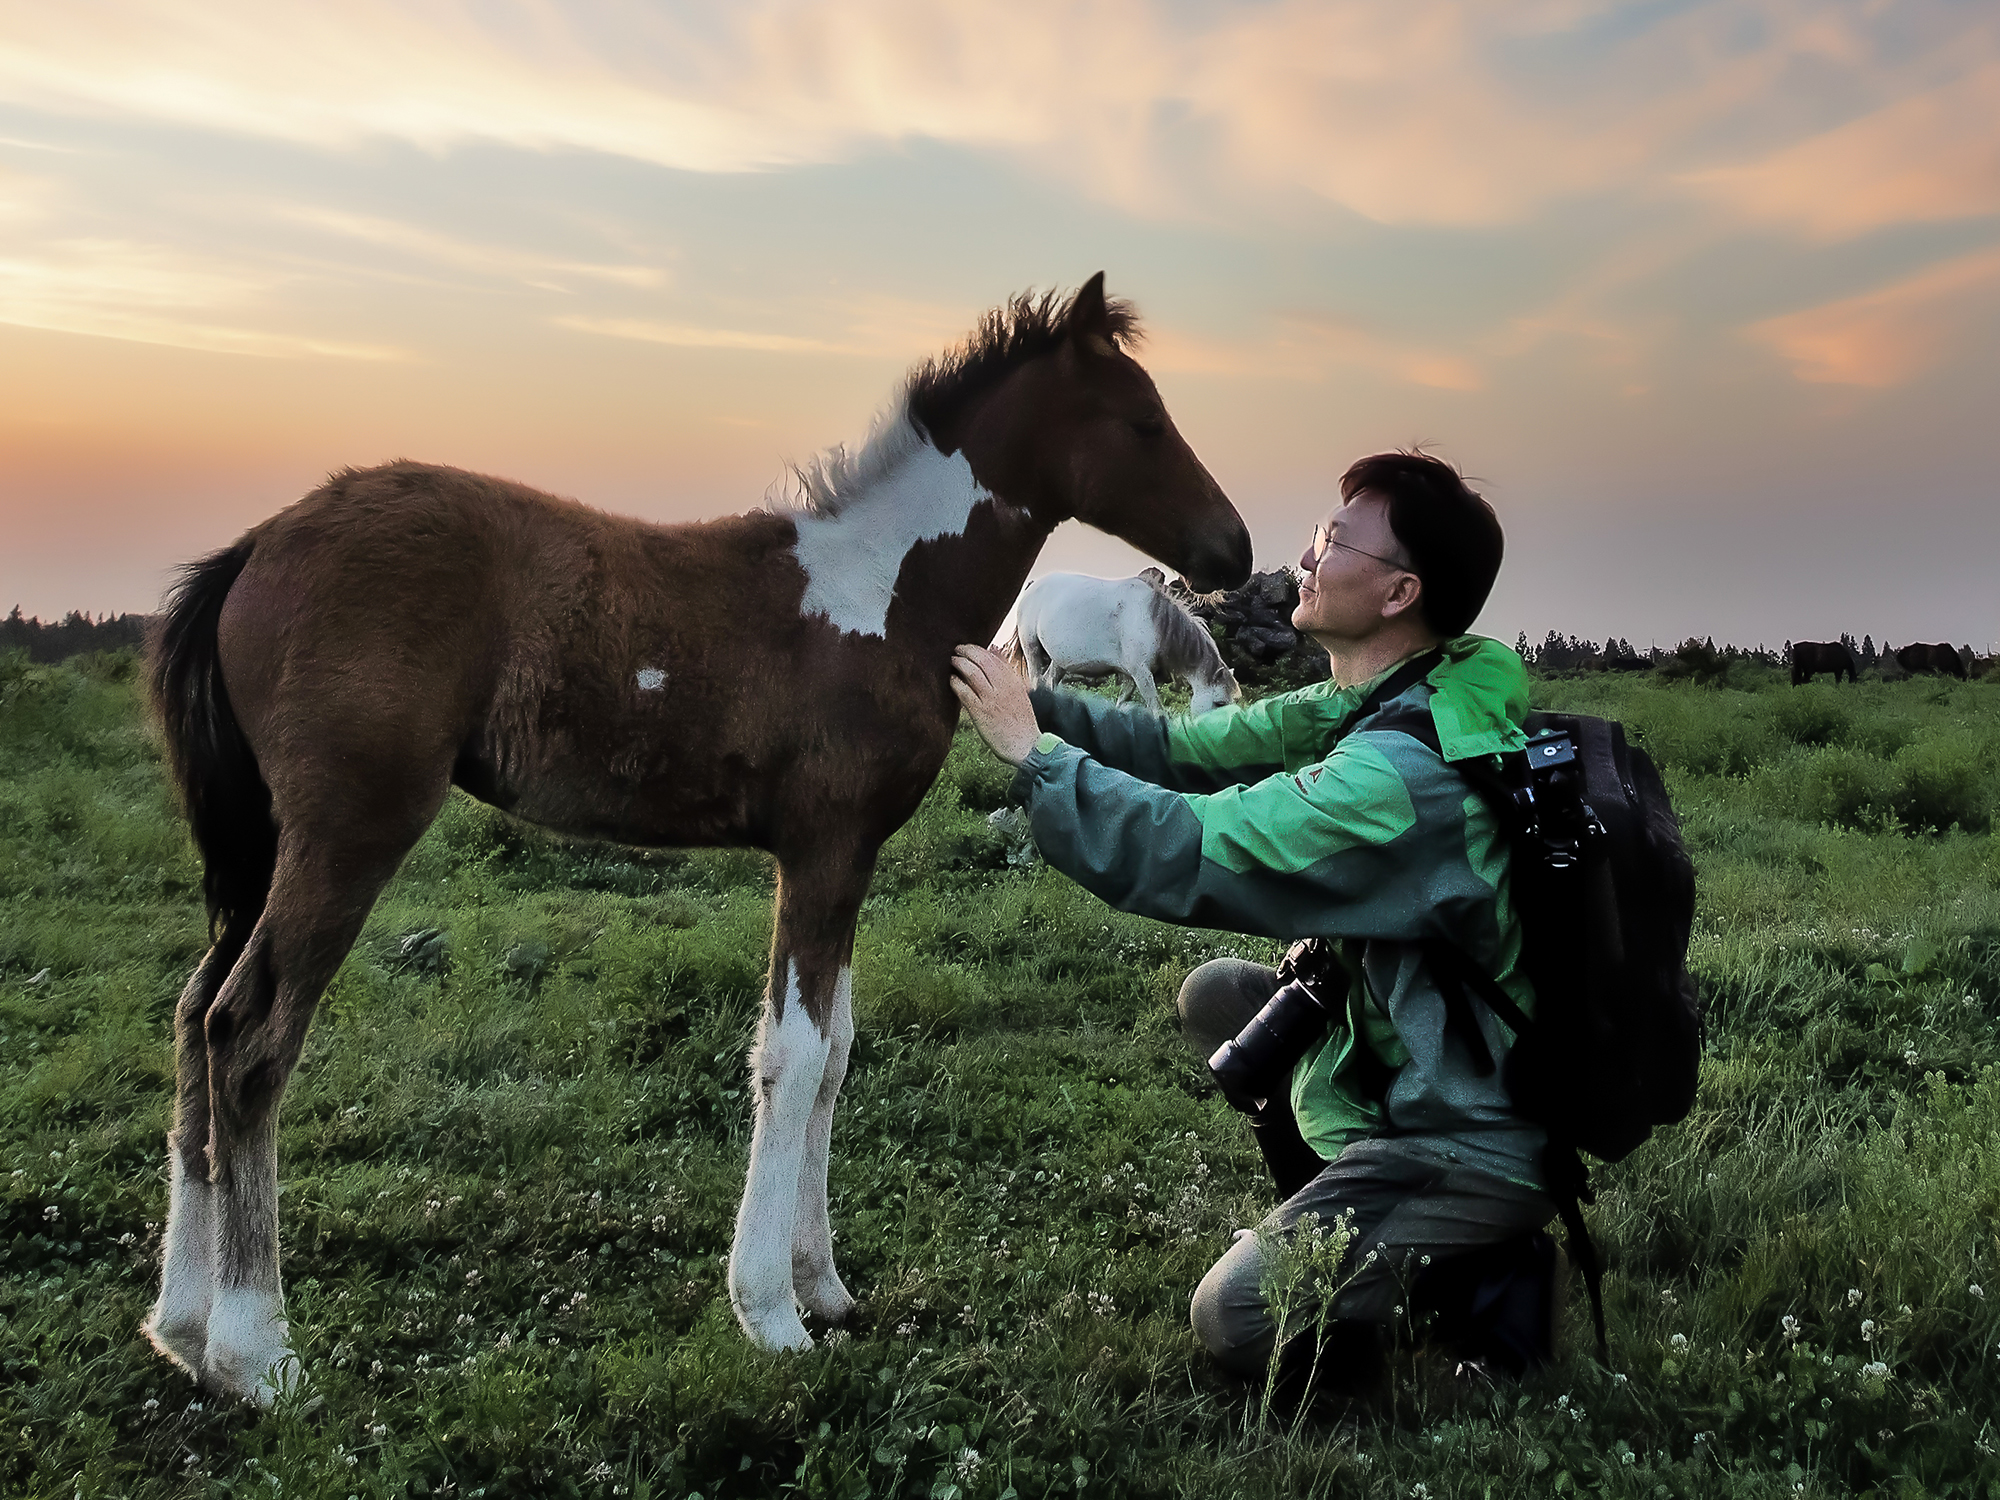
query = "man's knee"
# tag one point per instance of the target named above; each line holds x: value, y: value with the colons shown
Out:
x: 1218, y: 999
x: 1229, y: 1313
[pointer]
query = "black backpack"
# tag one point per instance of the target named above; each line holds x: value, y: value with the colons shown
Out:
x: 1605, y: 892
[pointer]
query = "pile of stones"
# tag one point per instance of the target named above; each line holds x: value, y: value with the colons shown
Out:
x: 1253, y: 626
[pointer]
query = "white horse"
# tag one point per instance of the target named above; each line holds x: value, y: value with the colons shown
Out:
x: 1073, y: 625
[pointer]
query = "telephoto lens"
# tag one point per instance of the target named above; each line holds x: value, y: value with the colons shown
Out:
x: 1255, y: 1066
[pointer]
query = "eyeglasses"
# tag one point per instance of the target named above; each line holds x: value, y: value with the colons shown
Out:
x: 1324, y: 538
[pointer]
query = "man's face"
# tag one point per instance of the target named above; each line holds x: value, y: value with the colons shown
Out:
x: 1349, y: 589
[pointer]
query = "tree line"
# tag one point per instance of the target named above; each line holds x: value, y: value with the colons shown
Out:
x: 72, y: 635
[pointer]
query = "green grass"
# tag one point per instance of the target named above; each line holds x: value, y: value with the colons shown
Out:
x: 512, y: 1155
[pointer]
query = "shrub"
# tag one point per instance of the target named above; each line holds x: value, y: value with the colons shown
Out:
x: 1847, y: 788
x: 1944, y: 781
x: 1812, y: 715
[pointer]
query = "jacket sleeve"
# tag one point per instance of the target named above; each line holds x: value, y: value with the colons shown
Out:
x: 1224, y: 747
x: 1330, y: 851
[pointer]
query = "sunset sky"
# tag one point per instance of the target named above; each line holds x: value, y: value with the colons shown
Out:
x: 1706, y: 295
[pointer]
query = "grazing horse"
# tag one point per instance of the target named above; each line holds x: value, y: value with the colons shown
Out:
x: 778, y: 679
x: 1809, y: 657
x: 1073, y: 625
x: 1942, y: 657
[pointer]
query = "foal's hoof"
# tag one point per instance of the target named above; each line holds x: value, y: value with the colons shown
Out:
x: 779, y: 1330
x: 181, y: 1340
x: 826, y: 1299
x: 259, y: 1379
x: 248, y: 1353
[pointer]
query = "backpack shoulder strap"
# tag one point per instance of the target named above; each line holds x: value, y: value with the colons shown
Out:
x: 1394, y: 686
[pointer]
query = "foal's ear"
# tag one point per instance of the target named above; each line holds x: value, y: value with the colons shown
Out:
x: 1089, y: 322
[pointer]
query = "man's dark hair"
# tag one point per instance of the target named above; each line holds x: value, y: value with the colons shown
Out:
x: 1450, y: 532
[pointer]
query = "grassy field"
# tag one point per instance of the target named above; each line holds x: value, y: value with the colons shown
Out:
x: 512, y: 1157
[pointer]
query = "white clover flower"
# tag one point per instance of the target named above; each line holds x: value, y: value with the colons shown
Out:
x: 968, y: 1463
x: 1977, y: 1290
x: 1628, y: 1456
x: 1789, y: 1327
x: 1867, y: 1330
x: 1910, y: 1056
x: 378, y: 1430
x: 1679, y: 1342
x: 1854, y: 1296
x: 1875, y: 1371
x: 906, y: 1330
x: 599, y: 1472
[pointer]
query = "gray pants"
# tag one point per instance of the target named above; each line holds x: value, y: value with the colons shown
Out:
x: 1406, y: 1205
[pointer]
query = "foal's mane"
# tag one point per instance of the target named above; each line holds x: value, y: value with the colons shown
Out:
x: 1183, y: 638
x: 1025, y: 327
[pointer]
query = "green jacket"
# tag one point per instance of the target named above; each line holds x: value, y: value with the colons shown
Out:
x: 1280, y: 818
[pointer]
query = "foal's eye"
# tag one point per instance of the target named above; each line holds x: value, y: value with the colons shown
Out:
x: 1149, y: 427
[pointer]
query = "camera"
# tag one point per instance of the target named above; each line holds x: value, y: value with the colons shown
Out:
x: 1256, y: 1065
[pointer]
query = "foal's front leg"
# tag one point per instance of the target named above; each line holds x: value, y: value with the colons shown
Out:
x: 787, y: 1066
x: 783, y: 1253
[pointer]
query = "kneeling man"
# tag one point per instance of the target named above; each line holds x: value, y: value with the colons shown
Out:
x: 1298, y: 817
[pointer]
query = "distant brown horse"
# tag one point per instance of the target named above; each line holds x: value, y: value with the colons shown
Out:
x: 1942, y: 657
x: 1809, y: 657
x: 776, y: 679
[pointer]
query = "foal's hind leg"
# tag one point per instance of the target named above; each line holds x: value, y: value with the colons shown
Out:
x: 178, y: 1323
x: 797, y: 1067
x: 815, y: 1281
x: 256, y: 1029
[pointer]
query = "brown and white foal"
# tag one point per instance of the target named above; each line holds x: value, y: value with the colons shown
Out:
x: 325, y: 682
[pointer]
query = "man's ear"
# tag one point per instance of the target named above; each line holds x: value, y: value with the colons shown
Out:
x: 1089, y: 323
x: 1404, y: 596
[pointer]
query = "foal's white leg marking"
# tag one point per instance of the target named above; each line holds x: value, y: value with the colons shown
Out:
x: 786, y: 1066
x: 178, y: 1323
x: 249, y: 1345
x: 814, y: 1277
x: 851, y: 559
x: 249, y: 1351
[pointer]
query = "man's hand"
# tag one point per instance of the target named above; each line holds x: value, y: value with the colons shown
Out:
x: 996, y: 700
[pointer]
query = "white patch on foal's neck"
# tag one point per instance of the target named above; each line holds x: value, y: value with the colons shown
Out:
x: 852, y: 558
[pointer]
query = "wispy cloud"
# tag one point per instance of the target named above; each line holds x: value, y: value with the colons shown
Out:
x: 1931, y: 157
x: 1310, y: 346
x: 1423, y: 112
x: 686, y: 336
x: 471, y: 257
x: 122, y: 290
x: 871, y: 326
x: 1890, y: 335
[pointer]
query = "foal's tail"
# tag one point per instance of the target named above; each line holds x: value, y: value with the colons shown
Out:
x: 228, y: 805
